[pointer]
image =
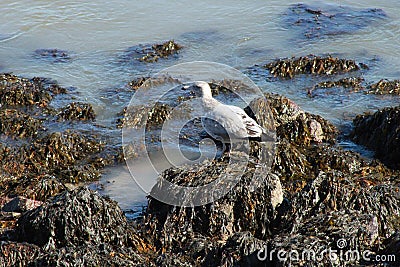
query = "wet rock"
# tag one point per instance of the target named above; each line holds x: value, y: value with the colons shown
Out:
x: 324, y: 240
x: 355, y: 83
x: 392, y: 246
x: 20, y: 204
x: 17, y: 123
x: 333, y: 191
x: 385, y: 87
x: 298, y: 126
x: 316, y: 22
x: 288, y: 68
x: 53, y: 55
x: 41, y: 188
x: 152, y: 53
x: 236, y: 211
x: 39, y: 170
x: 380, y: 132
x: 77, y: 111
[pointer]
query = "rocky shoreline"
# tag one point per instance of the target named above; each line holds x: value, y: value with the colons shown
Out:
x: 316, y: 196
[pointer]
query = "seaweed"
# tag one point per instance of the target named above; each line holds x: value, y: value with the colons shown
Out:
x: 288, y: 68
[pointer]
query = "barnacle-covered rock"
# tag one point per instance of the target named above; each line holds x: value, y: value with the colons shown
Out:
x: 385, y: 87
x: 288, y: 68
x: 77, y: 111
x: 380, y: 132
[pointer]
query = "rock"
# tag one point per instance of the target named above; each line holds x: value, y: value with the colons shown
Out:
x: 20, y: 204
x: 53, y: 55
x: 392, y: 247
x: 380, y: 132
x: 242, y: 249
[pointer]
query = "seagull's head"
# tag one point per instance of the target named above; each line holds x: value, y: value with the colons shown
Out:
x: 200, y: 88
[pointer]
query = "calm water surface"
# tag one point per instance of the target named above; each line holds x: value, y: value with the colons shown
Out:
x: 237, y: 33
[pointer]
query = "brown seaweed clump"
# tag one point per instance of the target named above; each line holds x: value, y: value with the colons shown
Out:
x: 17, y: 123
x: 288, y: 68
x: 81, y: 221
x: 385, y: 87
x: 158, y: 51
x: 355, y: 83
x: 15, y: 91
x: 77, y: 111
x: 380, y: 132
x: 140, y: 116
x: 138, y: 82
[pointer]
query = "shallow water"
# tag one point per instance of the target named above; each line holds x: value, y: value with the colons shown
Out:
x: 237, y: 33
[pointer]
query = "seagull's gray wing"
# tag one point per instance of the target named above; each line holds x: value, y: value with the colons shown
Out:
x: 251, y: 126
x: 234, y: 122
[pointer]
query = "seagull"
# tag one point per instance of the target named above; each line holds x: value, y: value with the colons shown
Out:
x: 226, y: 123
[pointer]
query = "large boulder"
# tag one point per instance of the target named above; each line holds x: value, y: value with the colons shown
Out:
x: 380, y: 132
